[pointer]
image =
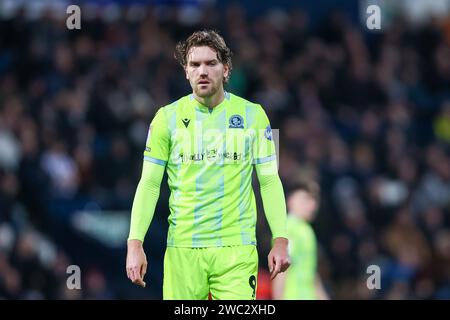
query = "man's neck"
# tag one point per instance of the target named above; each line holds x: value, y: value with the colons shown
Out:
x: 212, y: 101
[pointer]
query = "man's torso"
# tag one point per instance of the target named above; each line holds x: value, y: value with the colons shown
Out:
x: 209, y: 166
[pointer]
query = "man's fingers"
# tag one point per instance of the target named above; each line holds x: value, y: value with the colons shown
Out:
x: 285, y: 265
x: 281, y: 265
x: 273, y: 274
x: 137, y: 274
x: 136, y: 277
x: 270, y: 262
x: 276, y: 268
x: 143, y: 270
x: 134, y: 274
x: 130, y: 273
x: 139, y: 282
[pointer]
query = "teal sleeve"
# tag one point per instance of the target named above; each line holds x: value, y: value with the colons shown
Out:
x: 273, y: 199
x: 145, y: 199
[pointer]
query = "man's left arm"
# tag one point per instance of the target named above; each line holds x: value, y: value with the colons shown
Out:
x: 275, y: 211
x: 272, y: 194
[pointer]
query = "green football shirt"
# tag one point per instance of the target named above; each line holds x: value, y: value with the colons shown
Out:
x: 209, y: 155
x: 300, y: 277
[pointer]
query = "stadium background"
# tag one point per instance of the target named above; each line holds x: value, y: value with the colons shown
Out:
x: 365, y: 113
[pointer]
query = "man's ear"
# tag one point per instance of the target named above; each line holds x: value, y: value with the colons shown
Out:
x: 226, y: 70
x: 185, y: 71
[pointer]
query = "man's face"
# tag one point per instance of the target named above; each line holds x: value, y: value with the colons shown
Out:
x: 303, y: 205
x: 204, y: 71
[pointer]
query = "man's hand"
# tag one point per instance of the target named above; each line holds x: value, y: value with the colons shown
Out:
x: 279, y: 259
x: 136, y: 262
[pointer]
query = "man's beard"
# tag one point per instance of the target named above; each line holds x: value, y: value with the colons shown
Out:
x: 206, y: 93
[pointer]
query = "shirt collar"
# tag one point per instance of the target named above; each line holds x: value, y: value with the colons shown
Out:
x: 202, y: 108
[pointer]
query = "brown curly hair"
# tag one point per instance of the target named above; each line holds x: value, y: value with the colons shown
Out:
x: 210, y: 38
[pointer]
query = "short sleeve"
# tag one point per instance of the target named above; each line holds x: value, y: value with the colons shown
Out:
x: 158, y: 140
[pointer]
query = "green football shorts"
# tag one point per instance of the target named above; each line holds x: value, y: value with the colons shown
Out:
x: 228, y: 273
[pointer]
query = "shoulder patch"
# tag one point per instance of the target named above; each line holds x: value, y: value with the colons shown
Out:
x: 268, y: 133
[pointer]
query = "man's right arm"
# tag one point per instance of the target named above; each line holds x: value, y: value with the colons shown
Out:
x: 156, y: 155
x: 147, y: 194
x: 145, y: 199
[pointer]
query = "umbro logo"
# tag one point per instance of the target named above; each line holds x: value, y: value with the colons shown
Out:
x: 186, y: 122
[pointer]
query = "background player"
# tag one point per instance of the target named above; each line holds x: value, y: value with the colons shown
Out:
x: 301, y: 281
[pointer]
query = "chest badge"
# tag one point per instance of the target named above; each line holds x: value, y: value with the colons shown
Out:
x: 236, y: 121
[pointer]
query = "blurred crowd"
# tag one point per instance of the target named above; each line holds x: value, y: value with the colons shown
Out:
x: 366, y: 114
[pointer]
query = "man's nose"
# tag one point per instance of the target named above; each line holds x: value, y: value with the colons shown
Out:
x: 203, y: 70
